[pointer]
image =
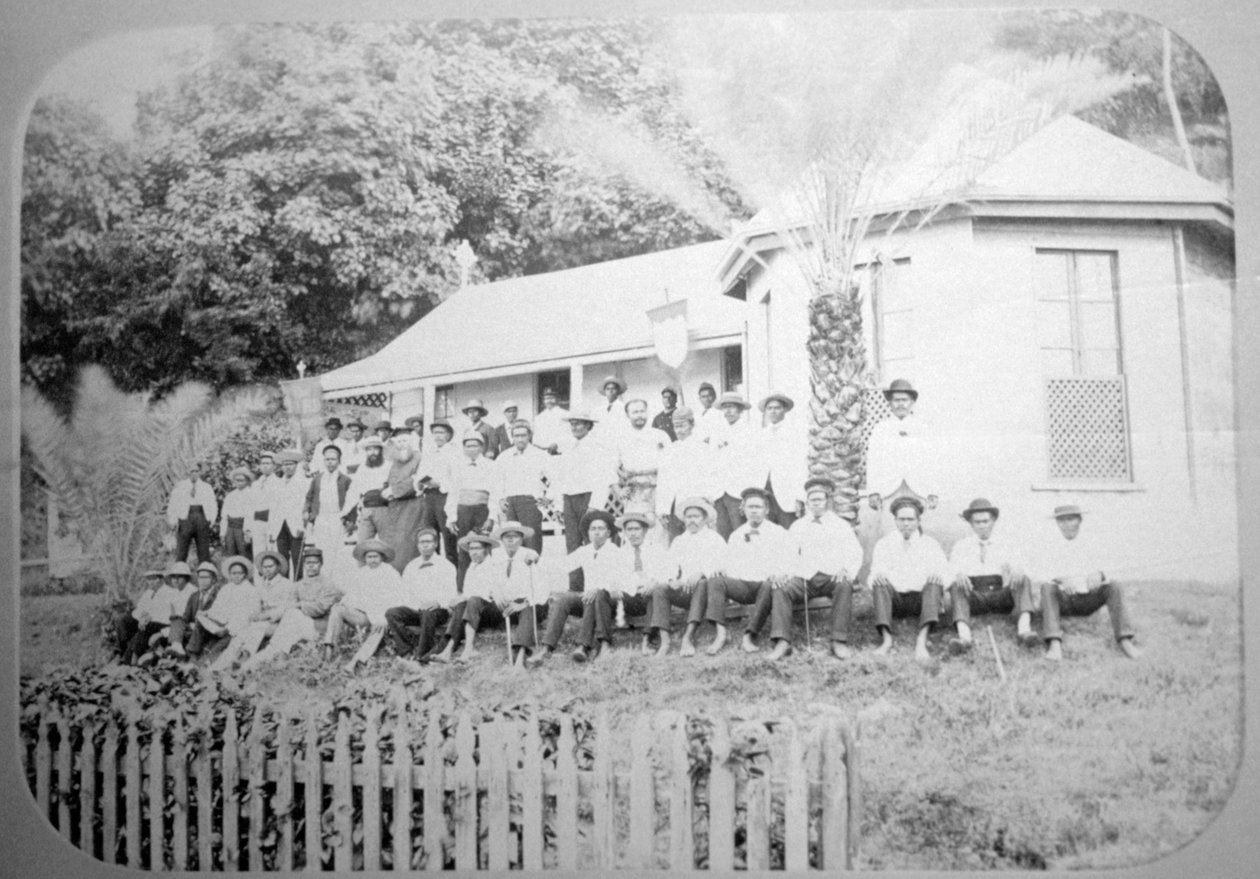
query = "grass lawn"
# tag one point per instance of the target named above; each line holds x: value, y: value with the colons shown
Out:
x: 1095, y: 762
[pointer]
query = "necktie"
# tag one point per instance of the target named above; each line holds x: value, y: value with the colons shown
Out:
x: 983, y: 546
x: 193, y: 493
x: 509, y: 567
x: 638, y: 559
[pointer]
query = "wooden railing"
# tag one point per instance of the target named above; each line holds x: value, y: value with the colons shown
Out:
x: 505, y: 794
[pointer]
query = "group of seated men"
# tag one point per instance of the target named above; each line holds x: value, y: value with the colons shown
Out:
x: 424, y: 613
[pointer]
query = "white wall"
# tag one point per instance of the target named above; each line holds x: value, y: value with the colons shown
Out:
x: 646, y: 377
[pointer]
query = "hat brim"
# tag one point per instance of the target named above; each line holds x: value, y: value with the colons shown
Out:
x: 524, y: 530
x: 601, y: 515
x: 968, y: 513
x: 228, y: 563
x: 1068, y: 515
x: 788, y: 403
x: 888, y: 395
x: 482, y: 409
x: 710, y: 512
x: 588, y: 417
x: 272, y: 554
x: 466, y: 542
x: 642, y: 518
x: 386, y: 551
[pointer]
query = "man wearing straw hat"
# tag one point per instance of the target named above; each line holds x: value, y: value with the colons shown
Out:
x: 276, y: 594
x: 475, y: 411
x: 433, y: 478
x: 236, y: 524
x: 229, y: 615
x: 990, y: 576
x: 127, y: 622
x: 477, y: 606
x: 164, y: 606
x: 731, y: 443
x: 262, y: 496
x: 287, y: 508
x: 518, y: 594
x: 686, y: 470
x: 472, y: 497
x: 781, y: 459
x: 1071, y: 582
x: 612, y: 412
x: 191, y: 600
x: 307, y: 620
x: 522, y: 472
x: 829, y: 558
x: 371, y: 590
x: 600, y: 565
x: 383, y: 429
x: 908, y: 573
x: 583, y: 477
x: 692, y: 559
x: 430, y: 592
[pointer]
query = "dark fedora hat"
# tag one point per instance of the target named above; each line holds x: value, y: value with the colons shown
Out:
x: 602, y: 515
x: 900, y: 386
x: 979, y: 505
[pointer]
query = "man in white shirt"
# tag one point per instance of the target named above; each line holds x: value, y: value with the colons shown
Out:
x: 477, y: 605
x: 695, y: 555
x: 324, y: 501
x: 371, y: 590
x: 127, y: 622
x: 686, y: 470
x: 237, y: 514
x: 363, y: 498
x: 354, y: 453
x: 190, y: 511
x: 551, y: 427
x: 829, y: 557
x: 315, y: 595
x: 989, y: 576
x: 288, y: 502
x: 583, y: 476
x: 781, y: 459
x: 898, y: 450
x: 759, y: 555
x: 640, y: 450
x: 261, y: 499
x: 228, y: 617
x: 908, y: 572
x: 612, y: 412
x: 517, y: 594
x: 433, y: 478
x: 333, y: 437
x: 430, y: 592
x: 472, y: 499
x: 732, y: 443
x: 664, y: 420
x: 1071, y: 582
x: 709, y: 418
x: 522, y: 470
x: 600, y: 564
x: 276, y: 594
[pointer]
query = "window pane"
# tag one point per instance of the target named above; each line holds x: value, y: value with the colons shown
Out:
x: 1050, y: 276
x: 1098, y: 325
x: 1100, y: 361
x: 898, y: 341
x: 1054, y: 324
x: 1056, y: 361
x: 1093, y: 274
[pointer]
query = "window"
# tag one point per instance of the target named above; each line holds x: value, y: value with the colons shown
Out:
x: 886, y: 285
x: 1078, y: 328
x: 556, y: 380
x: 732, y: 368
x: 444, y: 401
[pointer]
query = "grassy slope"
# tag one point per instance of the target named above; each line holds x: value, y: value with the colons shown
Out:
x: 1097, y: 762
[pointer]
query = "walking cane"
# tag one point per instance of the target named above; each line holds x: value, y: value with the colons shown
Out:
x: 809, y: 641
x: 533, y: 606
x: 507, y: 624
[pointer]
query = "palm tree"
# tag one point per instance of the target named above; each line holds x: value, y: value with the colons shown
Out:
x: 112, y: 462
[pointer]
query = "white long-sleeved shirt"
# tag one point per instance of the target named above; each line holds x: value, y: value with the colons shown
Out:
x: 687, y: 469
x: 654, y: 568
x: 436, y: 463
x: 276, y: 595
x: 551, y: 428
x: 781, y: 456
x: 483, y: 580
x: 289, y: 503
x: 601, y: 568
x: 826, y: 546
x: 640, y: 450
x: 155, y: 603
x: 341, y: 442
x: 234, y: 605
x: 692, y: 556
x: 521, y: 472
x: 239, y: 503
x: 363, y: 480
x: 185, y: 494
x: 708, y: 422
x: 374, y: 591
x: 998, y: 552
x: 1068, y: 561
x: 760, y: 553
x: 907, y: 563
x: 427, y: 581
x: 733, y: 468
x: 898, y: 450
x: 589, y: 466
x: 476, y: 475
x: 512, y: 577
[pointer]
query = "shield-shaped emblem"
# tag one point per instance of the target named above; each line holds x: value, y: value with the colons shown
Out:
x: 669, y: 332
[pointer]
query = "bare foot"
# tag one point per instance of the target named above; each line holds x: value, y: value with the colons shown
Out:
x: 747, y: 644
x: 719, y: 641
x: 687, y: 648
x: 840, y: 650
x: 663, y: 649
x: 1054, y: 650
x: 645, y: 646
x: 1129, y: 649
x: 782, y: 648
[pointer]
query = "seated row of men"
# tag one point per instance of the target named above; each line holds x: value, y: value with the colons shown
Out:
x: 763, y: 565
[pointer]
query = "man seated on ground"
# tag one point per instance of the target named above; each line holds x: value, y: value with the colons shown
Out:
x: 195, y: 598
x: 829, y: 557
x: 276, y: 594
x: 599, y: 563
x: 695, y: 555
x: 165, y: 606
x: 758, y: 556
x: 128, y: 622
x: 1072, y: 583
x: 428, y: 584
x: 908, y: 571
x: 516, y: 596
x: 477, y: 606
x: 315, y: 595
x: 371, y: 590
x: 228, y: 616
x: 990, y: 576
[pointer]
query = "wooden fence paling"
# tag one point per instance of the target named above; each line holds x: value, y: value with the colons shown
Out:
x: 682, y: 845
x: 282, y: 804
x: 531, y: 796
x: 343, y: 798
x: 602, y: 793
x: 465, y: 796
x: 179, y: 832
x: 109, y: 792
x: 642, y: 794
x: 257, y: 791
x: 795, y: 805
x: 87, y: 790
x: 313, y: 788
x: 157, y: 796
x: 434, y: 786
x: 402, y: 793
x: 757, y: 817
x: 834, y: 813
x: 721, y: 801
x: 205, y: 804
x: 43, y: 760
x: 498, y: 814
x: 65, y: 781
x: 566, y: 797
x: 372, y: 792
x: 231, y: 805
x: 131, y: 768
x: 853, y: 794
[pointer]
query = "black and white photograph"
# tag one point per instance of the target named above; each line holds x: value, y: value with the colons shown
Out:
x: 717, y: 440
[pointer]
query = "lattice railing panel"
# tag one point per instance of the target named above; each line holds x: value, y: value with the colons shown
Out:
x: 874, y: 410
x: 1087, y: 428
x: 374, y: 400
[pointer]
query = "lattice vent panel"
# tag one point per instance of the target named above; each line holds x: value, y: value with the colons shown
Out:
x: 1087, y: 430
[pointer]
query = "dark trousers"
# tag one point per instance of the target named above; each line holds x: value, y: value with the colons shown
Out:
x: 674, y: 525
x: 467, y: 520
x: 1056, y: 603
x: 575, y: 506
x: 433, y: 515
x: 798, y: 590
x: 779, y: 516
x: 291, y: 548
x: 523, y: 508
x: 1016, y: 599
x: 139, y: 643
x: 125, y: 628
x: 720, y: 589
x: 559, y: 607
x: 194, y: 529
x: 729, y: 515
x: 399, y: 622
x: 202, y: 641
x: 234, y: 542
x: 524, y: 632
x: 925, y: 604
x: 475, y: 611
x: 597, y: 616
x: 663, y: 597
